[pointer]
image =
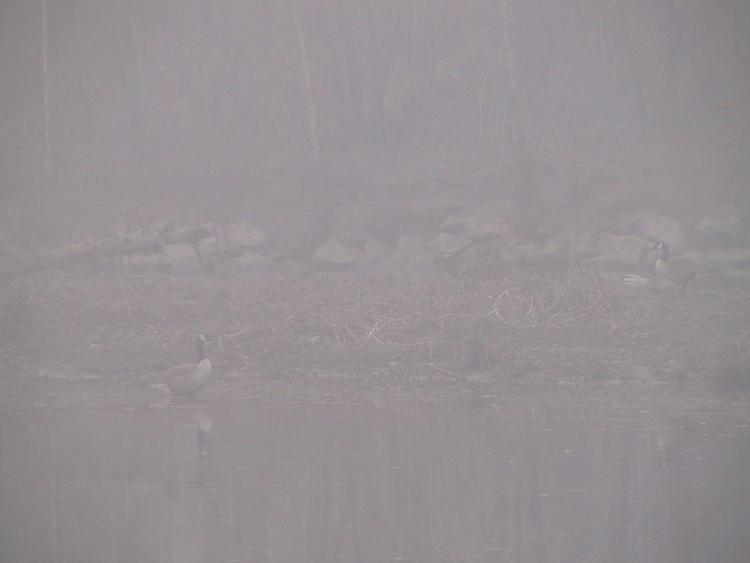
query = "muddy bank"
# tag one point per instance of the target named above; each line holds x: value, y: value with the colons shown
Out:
x: 380, y: 330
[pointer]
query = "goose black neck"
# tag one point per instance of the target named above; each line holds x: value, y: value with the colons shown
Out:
x: 199, y: 349
x: 665, y: 253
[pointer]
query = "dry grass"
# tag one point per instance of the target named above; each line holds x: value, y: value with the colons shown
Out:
x: 383, y: 325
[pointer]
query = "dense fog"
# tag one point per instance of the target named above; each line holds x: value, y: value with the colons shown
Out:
x: 117, y: 115
x: 374, y: 280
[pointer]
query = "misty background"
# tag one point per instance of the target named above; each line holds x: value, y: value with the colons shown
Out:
x: 116, y: 115
x: 503, y: 307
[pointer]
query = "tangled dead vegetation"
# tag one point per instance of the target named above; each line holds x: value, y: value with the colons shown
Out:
x: 384, y: 327
x: 578, y: 296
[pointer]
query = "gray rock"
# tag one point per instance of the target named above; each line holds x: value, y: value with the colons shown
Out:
x: 494, y: 218
x: 180, y: 252
x: 551, y: 254
x: 243, y: 234
x: 182, y: 257
x: 424, y: 215
x: 209, y: 247
x: 447, y: 245
x: 410, y: 247
x: 334, y: 253
x: 485, y: 258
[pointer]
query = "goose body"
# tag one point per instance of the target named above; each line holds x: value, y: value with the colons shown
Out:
x: 679, y: 271
x: 187, y: 379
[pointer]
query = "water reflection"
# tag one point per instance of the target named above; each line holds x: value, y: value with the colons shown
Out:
x: 243, y: 481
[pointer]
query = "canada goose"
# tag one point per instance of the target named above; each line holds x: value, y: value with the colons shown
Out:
x: 187, y: 379
x: 679, y: 271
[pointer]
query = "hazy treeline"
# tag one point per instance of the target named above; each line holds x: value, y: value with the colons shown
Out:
x: 219, y: 100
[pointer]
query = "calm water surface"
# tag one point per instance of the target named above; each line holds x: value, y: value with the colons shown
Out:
x: 522, y: 479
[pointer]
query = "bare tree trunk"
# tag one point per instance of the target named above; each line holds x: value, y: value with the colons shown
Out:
x: 138, y: 57
x: 45, y: 78
x: 312, y: 111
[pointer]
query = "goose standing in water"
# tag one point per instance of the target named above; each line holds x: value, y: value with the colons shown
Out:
x: 187, y: 379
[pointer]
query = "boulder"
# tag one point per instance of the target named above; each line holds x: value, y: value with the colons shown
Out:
x: 334, y: 253
x: 410, y: 247
x: 181, y: 256
x: 447, y: 245
x: 180, y: 252
x: 424, y: 215
x: 209, y: 247
x: 485, y: 258
x: 494, y: 218
x: 551, y: 254
x: 243, y: 234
